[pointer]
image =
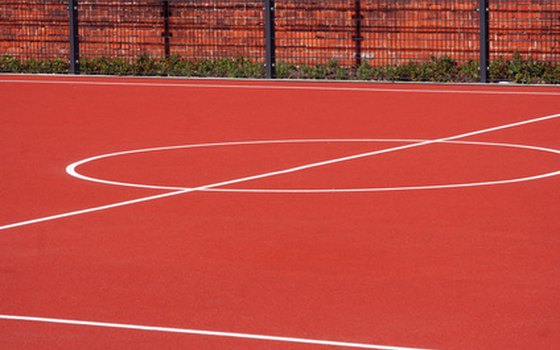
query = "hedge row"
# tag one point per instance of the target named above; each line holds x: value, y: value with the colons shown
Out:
x: 443, y: 69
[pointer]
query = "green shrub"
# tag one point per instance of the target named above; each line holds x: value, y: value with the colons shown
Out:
x: 524, y: 71
x: 177, y: 66
x: 499, y: 70
x: 10, y: 64
x: 147, y: 65
x: 442, y: 69
x: 468, y: 72
x: 366, y: 72
x: 287, y: 71
x: 551, y: 74
x: 105, y: 66
x: 13, y: 65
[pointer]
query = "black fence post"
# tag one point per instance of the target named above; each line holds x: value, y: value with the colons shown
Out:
x: 270, y: 39
x: 357, y: 38
x: 484, y: 40
x: 74, y: 37
x: 166, y: 13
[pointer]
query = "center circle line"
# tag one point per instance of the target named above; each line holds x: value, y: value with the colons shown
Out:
x: 72, y: 168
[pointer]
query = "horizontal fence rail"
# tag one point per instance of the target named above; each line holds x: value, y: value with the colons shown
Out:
x: 364, y: 39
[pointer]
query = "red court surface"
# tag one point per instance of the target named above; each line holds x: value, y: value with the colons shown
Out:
x: 277, y: 215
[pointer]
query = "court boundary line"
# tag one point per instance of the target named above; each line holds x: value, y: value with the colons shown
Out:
x: 221, y: 334
x: 279, y: 172
x: 275, y: 87
x: 71, y: 169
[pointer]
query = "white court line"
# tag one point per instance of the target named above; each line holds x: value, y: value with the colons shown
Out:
x: 244, y: 179
x: 205, y: 333
x: 280, y: 87
x: 71, y: 170
x: 90, y: 210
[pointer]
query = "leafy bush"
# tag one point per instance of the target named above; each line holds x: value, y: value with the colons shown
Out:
x: 468, y: 72
x: 522, y: 71
x: 442, y: 69
x: 105, y: 66
x: 366, y: 72
x: 11, y: 64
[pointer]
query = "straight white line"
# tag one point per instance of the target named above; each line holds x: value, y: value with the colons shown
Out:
x: 280, y: 172
x: 280, y: 87
x: 90, y: 210
x: 205, y: 332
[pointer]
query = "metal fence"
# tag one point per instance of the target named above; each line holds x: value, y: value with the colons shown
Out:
x: 531, y: 27
x: 124, y: 28
x: 216, y: 29
x: 381, y: 32
x: 34, y: 29
x: 399, y: 31
x: 269, y: 33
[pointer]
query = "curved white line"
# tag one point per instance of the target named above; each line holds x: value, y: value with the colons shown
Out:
x: 274, y: 173
x: 72, y: 168
x: 205, y: 332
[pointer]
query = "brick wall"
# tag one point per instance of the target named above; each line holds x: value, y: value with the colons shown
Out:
x: 34, y: 29
x: 208, y: 29
x: 530, y: 26
x: 123, y: 28
x: 308, y: 31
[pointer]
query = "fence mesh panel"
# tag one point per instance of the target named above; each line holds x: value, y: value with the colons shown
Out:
x: 396, y: 32
x: 34, y: 30
x: 314, y: 32
x: 123, y: 28
x: 217, y: 29
x: 527, y: 27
